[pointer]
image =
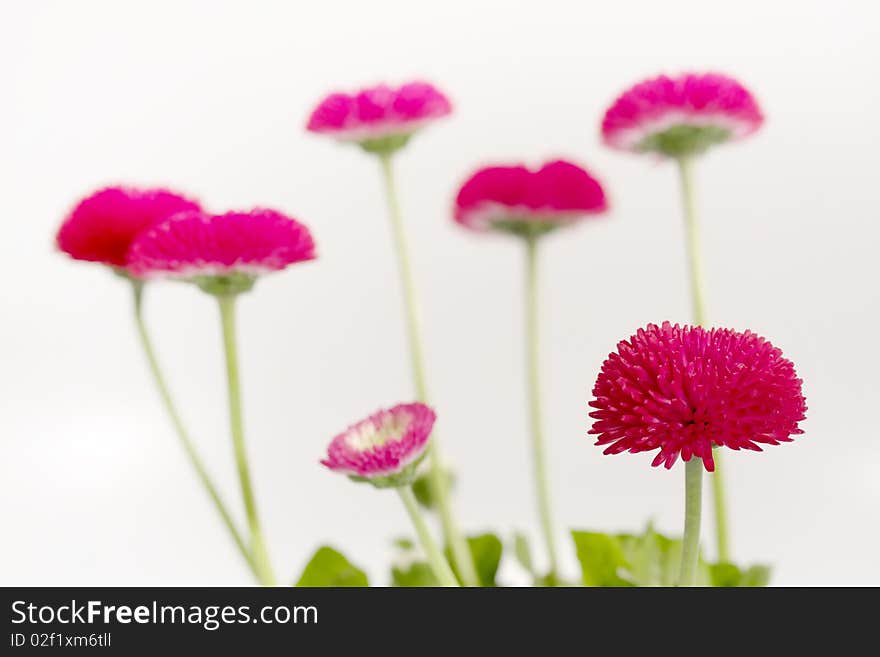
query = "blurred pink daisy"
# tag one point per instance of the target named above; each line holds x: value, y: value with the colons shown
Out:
x: 516, y: 199
x: 381, y: 118
x: 235, y: 245
x: 385, y: 448
x: 685, y: 389
x: 681, y: 116
x: 102, y: 226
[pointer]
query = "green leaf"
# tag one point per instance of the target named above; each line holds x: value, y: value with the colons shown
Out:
x: 651, y: 559
x: 643, y: 558
x: 654, y: 558
x: 486, y: 551
x: 725, y: 574
x: 728, y: 574
x: 647, y: 559
x: 411, y: 570
x: 424, y: 492
x: 523, y: 553
x: 409, y: 567
x: 415, y: 573
x: 756, y: 576
x: 329, y: 567
x: 602, y: 559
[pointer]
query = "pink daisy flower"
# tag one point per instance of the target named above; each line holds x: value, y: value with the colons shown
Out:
x: 681, y: 116
x: 381, y: 118
x: 103, y: 225
x: 235, y: 246
x: 685, y: 389
x: 519, y: 200
x: 385, y: 448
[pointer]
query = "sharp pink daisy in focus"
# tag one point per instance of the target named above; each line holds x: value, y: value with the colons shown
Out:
x: 233, y: 248
x: 380, y: 118
x: 103, y: 225
x: 525, y: 201
x: 681, y: 116
x: 686, y: 389
x: 385, y: 448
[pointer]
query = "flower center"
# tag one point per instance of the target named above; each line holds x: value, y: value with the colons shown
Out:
x: 369, y: 435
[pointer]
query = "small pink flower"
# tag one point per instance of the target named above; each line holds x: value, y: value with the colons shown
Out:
x: 685, y: 389
x: 196, y: 244
x: 379, y: 116
x: 682, y: 115
x: 102, y: 226
x: 385, y: 448
x: 516, y: 199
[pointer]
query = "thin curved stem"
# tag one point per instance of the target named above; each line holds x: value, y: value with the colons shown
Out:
x: 692, y: 230
x: 262, y: 565
x: 693, y: 501
x: 539, y: 458
x: 460, y: 552
x: 439, y: 565
x: 180, y: 430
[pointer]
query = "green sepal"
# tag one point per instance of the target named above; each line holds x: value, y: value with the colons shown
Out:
x: 530, y: 228
x: 122, y: 272
x: 385, y: 145
x: 684, y: 140
x: 229, y: 284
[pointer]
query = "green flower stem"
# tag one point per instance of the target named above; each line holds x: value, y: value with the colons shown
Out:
x: 262, y: 566
x: 439, y: 565
x: 692, y: 230
x: 685, y: 167
x: 182, y: 434
x: 533, y: 365
x: 460, y: 552
x: 693, y: 502
x: 720, y: 506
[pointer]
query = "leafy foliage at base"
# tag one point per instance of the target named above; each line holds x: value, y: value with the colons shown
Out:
x: 651, y: 559
x: 618, y: 560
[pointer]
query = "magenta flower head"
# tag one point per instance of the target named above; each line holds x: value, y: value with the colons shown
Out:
x: 380, y: 119
x: 103, y: 225
x: 685, y: 389
x: 517, y: 200
x: 223, y: 254
x: 681, y: 116
x: 385, y: 448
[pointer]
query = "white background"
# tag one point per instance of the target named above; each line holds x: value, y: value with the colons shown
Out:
x: 211, y: 98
